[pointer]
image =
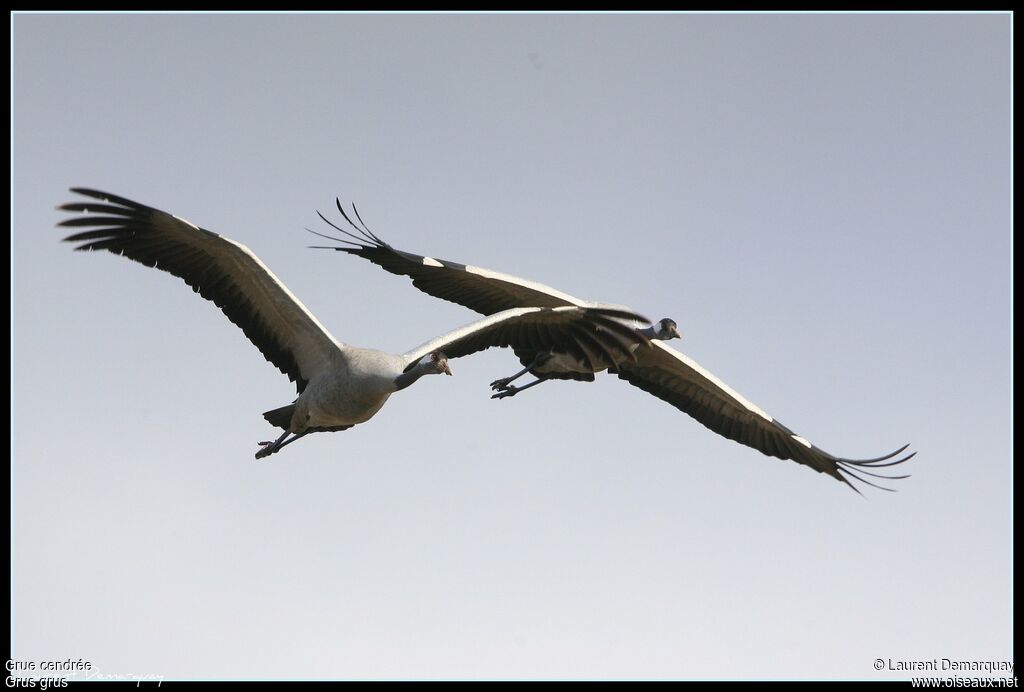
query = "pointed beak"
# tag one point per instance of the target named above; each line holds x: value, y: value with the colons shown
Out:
x: 675, y: 333
x: 446, y: 369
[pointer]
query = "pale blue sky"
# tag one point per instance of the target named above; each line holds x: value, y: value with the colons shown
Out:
x: 822, y: 202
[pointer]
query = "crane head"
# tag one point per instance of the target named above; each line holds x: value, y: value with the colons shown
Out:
x: 667, y: 329
x: 440, y: 362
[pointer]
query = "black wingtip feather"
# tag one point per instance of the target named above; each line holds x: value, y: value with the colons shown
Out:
x: 359, y: 245
x: 362, y: 242
x: 850, y: 473
x: 107, y: 197
x: 365, y: 227
x: 337, y: 203
x: 857, y: 468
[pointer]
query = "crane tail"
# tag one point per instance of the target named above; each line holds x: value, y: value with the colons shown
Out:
x: 280, y: 417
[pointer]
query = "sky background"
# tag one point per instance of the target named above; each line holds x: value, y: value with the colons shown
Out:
x: 821, y: 202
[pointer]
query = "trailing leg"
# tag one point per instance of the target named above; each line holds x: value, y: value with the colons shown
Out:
x: 503, y: 383
x: 512, y: 391
x: 269, y: 448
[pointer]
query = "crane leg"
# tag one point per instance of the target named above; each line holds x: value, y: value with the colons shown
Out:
x: 512, y: 391
x: 503, y: 383
x: 269, y: 448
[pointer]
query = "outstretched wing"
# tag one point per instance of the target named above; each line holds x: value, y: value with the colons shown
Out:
x: 659, y: 370
x: 217, y: 268
x: 672, y: 377
x: 482, y: 290
x: 587, y: 333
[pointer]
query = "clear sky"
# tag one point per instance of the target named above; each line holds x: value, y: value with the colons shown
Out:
x: 821, y: 202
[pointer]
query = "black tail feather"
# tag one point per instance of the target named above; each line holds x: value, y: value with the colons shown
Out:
x: 280, y: 417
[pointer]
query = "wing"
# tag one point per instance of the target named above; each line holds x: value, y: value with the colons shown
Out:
x: 482, y: 290
x: 672, y: 377
x: 217, y: 268
x: 584, y: 332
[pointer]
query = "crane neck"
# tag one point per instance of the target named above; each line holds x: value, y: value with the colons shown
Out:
x: 411, y: 375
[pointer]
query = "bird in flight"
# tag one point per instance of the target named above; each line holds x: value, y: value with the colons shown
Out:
x: 339, y: 385
x: 659, y: 370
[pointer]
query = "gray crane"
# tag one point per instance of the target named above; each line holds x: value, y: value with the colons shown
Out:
x: 660, y: 370
x: 339, y: 385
